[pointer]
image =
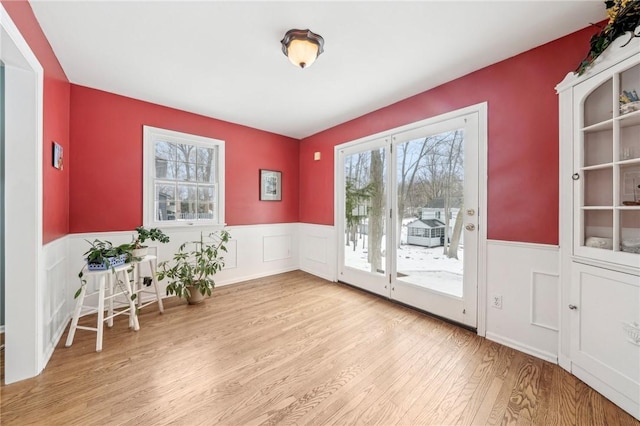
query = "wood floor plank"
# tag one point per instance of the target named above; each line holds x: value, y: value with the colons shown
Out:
x: 348, y: 397
x: 295, y: 349
x: 498, y: 413
x: 474, y: 393
x: 436, y: 386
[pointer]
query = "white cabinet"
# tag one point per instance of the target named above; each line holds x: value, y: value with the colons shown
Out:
x: 600, y: 225
x: 605, y: 335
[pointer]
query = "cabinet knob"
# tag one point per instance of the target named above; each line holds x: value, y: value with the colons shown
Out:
x: 575, y: 176
x: 573, y: 307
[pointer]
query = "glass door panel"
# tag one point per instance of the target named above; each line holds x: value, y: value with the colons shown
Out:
x: 363, y: 238
x: 430, y: 198
x: 436, y: 199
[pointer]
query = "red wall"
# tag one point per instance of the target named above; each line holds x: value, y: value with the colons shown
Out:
x: 56, y: 121
x: 104, y: 166
x: 106, y: 159
x: 522, y: 146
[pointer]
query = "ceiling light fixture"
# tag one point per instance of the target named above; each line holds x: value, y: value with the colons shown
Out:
x: 302, y: 47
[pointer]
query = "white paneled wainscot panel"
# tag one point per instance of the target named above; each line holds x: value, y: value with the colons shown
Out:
x: 276, y: 247
x: 545, y: 287
x: 318, y: 254
x: 57, y: 300
x: 526, y: 277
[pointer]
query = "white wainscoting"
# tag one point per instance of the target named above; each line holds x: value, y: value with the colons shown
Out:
x: 526, y: 276
x: 318, y: 250
x: 254, y: 251
x: 57, y: 300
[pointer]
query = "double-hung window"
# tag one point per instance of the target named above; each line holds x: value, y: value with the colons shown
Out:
x: 183, y: 179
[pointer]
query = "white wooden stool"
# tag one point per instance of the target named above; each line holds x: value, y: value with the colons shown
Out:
x: 138, y: 282
x: 109, y: 283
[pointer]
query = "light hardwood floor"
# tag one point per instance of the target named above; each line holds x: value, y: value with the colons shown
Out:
x: 293, y: 348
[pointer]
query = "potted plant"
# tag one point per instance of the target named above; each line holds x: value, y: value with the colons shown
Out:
x: 144, y: 234
x: 103, y: 255
x: 191, y: 271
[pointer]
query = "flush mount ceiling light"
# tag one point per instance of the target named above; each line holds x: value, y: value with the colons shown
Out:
x: 302, y: 47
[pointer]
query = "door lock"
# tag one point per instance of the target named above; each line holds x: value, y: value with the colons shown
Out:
x: 470, y: 227
x: 471, y: 212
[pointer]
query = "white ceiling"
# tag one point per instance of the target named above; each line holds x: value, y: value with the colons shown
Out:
x: 223, y: 59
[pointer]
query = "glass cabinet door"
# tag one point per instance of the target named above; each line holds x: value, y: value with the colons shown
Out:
x: 607, y: 160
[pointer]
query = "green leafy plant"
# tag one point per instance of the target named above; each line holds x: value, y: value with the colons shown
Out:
x: 105, y: 253
x: 144, y: 234
x: 624, y: 17
x: 194, y: 265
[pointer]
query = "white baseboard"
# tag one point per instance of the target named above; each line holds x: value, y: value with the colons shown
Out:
x: 323, y: 275
x: 55, y: 339
x: 631, y: 407
x: 547, y: 356
x: 222, y: 283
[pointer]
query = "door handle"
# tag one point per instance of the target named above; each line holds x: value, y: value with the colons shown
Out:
x: 470, y: 227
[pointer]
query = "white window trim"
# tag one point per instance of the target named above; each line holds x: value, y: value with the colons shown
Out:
x: 148, y: 176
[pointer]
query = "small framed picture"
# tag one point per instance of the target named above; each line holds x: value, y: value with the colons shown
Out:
x: 270, y: 185
x: 57, y: 156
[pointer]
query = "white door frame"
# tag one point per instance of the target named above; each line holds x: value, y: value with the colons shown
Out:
x: 24, y: 271
x: 482, y: 110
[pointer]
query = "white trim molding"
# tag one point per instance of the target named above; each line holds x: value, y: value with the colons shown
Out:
x: 517, y: 345
x: 24, y: 271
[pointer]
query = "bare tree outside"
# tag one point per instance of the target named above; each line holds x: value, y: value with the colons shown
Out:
x: 453, y: 183
x: 357, y: 196
x: 185, y: 181
x: 411, y: 162
x: 442, y: 178
x: 428, y: 180
x: 377, y: 211
x: 429, y: 170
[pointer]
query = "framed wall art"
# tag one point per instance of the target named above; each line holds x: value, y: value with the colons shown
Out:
x: 270, y: 185
x: 57, y: 155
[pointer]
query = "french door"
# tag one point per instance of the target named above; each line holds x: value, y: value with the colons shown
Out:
x: 408, y: 217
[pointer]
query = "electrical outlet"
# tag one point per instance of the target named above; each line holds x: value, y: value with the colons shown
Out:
x: 496, y: 302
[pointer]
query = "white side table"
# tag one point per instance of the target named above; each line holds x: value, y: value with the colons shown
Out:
x: 112, y: 282
x: 138, y: 284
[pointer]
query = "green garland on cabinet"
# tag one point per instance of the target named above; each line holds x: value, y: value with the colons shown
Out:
x: 624, y: 17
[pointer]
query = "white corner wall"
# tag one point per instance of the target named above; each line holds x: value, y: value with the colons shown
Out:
x: 527, y: 277
x: 318, y: 251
